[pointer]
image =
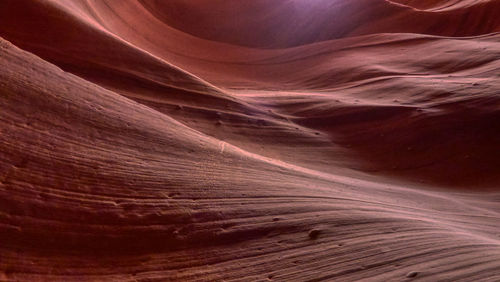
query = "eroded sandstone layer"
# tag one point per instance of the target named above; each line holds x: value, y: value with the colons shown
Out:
x: 287, y: 140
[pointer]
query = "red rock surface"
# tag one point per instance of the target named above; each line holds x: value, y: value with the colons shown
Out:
x: 248, y: 140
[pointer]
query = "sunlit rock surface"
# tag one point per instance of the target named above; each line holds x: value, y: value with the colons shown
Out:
x: 259, y: 140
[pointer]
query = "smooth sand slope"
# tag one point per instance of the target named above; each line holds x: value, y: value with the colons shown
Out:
x: 303, y: 140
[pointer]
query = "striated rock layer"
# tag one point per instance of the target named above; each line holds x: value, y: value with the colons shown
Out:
x: 260, y: 140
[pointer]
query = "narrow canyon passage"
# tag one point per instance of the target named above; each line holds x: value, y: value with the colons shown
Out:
x: 263, y: 140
